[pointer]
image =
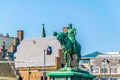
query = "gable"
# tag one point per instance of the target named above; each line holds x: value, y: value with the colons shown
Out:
x: 32, y: 50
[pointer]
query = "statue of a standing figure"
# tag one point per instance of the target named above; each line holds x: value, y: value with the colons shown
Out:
x: 69, y: 45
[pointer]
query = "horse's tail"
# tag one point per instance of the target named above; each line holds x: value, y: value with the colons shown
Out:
x: 78, y: 50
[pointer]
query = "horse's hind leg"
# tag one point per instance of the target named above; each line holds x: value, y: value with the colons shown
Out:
x: 70, y: 61
x: 77, y: 63
x: 78, y: 56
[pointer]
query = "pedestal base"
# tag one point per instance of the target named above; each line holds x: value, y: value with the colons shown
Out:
x: 70, y: 74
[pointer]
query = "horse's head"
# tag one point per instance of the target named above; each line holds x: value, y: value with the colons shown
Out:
x: 61, y: 37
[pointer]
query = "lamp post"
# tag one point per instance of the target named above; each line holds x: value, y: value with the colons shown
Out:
x: 48, y: 51
x: 44, y: 66
x: 106, y: 61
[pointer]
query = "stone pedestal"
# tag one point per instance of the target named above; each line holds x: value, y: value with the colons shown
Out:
x: 70, y: 74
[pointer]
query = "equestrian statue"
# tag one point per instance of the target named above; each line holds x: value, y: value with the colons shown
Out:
x: 69, y: 45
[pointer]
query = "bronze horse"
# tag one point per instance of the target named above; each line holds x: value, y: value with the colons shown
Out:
x: 67, y: 48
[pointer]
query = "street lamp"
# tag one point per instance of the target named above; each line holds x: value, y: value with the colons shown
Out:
x: 106, y: 61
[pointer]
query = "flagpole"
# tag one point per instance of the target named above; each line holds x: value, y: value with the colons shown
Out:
x: 44, y: 66
x: 48, y: 50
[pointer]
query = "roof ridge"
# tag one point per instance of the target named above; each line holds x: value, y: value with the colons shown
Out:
x: 93, y: 54
x: 7, y: 37
x: 38, y: 38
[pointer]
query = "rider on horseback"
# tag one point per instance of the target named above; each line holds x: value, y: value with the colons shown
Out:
x: 71, y: 32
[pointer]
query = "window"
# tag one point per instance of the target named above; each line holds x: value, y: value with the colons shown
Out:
x: 60, y: 78
x: 104, y: 70
x: 62, y: 65
x: 95, y: 70
x: 85, y: 61
x: 113, y: 70
x: 42, y: 77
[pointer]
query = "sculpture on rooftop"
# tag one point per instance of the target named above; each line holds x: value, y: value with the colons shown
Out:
x: 69, y: 45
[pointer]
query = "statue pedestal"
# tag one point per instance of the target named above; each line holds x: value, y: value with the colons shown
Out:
x: 70, y: 74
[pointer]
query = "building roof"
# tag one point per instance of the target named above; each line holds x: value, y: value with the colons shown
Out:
x: 113, y: 59
x: 33, y: 50
x: 8, y: 41
x: 6, y: 69
x: 91, y: 55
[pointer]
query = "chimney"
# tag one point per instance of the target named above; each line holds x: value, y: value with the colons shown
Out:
x: 20, y: 35
x: 65, y: 29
